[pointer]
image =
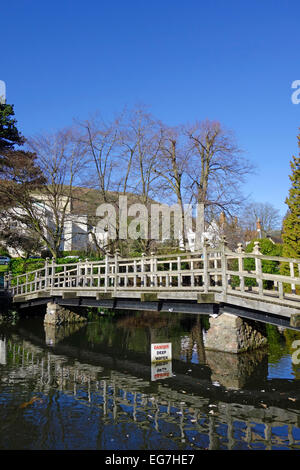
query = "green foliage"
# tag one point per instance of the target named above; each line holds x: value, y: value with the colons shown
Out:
x: 291, y: 223
x: 267, y: 248
x: 20, y: 266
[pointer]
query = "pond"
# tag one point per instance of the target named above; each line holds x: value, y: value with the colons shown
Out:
x: 92, y: 387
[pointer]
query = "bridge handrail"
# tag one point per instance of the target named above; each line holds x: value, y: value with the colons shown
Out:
x: 207, y: 270
x: 280, y: 259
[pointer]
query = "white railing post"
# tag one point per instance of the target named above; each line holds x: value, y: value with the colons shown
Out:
x: 35, y: 281
x: 153, y: 268
x: 241, y: 250
x: 170, y: 277
x: 46, y: 273
x: 258, y: 269
x: 7, y: 280
x: 292, y: 274
x: 224, y: 268
x: 51, y: 274
x: 85, y: 278
x: 215, y: 268
x: 26, y: 282
x: 135, y: 273
x: 205, y: 267
x: 179, y: 280
x: 117, y: 253
x: 78, y: 275
x: 143, y: 275
x: 106, y: 277
x: 192, y: 276
x: 280, y: 290
x: 65, y: 277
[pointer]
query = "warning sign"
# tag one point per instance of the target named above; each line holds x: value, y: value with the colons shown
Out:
x: 161, y: 352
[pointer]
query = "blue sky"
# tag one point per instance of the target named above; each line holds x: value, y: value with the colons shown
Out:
x: 233, y: 61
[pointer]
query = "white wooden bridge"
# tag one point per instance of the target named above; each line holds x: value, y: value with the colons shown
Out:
x: 185, y: 282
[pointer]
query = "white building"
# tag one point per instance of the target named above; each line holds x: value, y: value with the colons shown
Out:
x: 212, y: 235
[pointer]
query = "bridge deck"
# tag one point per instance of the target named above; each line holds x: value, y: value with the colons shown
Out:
x: 212, y: 276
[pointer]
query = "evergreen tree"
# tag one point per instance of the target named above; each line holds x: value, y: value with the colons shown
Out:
x: 9, y: 134
x: 20, y: 176
x: 291, y: 223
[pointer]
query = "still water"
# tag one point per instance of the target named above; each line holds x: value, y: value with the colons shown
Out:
x: 93, y: 387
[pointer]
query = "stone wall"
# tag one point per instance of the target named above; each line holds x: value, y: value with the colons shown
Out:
x: 58, y: 315
x: 230, y: 333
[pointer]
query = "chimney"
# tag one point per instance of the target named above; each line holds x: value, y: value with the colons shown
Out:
x: 222, y: 218
x: 258, y: 228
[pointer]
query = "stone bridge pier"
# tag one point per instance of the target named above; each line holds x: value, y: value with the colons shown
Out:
x: 58, y: 315
x: 233, y: 334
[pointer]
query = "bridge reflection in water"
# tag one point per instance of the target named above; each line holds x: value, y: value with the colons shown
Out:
x: 210, y: 404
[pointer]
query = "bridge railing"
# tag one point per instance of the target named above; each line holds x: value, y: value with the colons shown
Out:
x: 209, y: 270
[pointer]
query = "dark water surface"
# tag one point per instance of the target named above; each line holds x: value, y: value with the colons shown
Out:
x: 93, y: 387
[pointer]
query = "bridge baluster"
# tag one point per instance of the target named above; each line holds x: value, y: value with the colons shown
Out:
x: 86, y: 265
x: 240, y: 250
x: 178, y: 271
x: 116, y: 282
x: 52, y: 270
x: 192, y: 281
x: 77, y: 281
x: 154, y: 282
x: 224, y: 267
x: 135, y: 273
x: 292, y: 274
x: 65, y: 276
x: 205, y: 267
x: 258, y: 268
x: 280, y: 290
x: 46, y: 273
x: 143, y: 275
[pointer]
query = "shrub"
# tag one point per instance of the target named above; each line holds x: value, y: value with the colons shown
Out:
x: 267, y: 248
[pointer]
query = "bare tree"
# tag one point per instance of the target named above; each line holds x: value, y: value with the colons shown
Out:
x: 264, y: 212
x: 216, y: 167
x: 100, y: 140
x: 146, y: 136
x: 110, y: 149
x: 172, y: 169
